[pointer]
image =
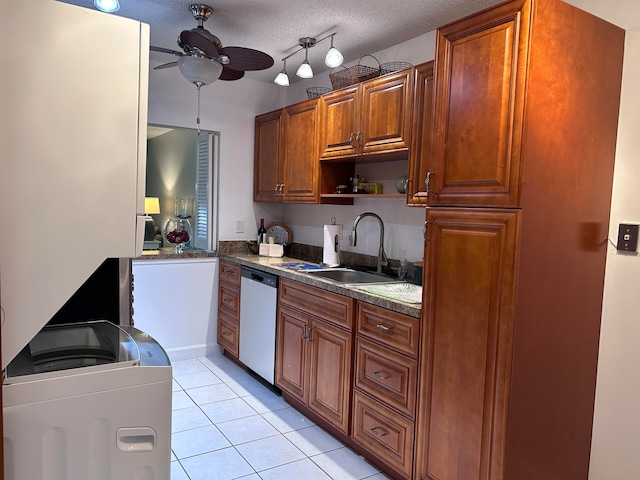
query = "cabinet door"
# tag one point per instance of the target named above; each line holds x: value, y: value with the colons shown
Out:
x: 268, y: 153
x: 468, y: 315
x: 420, y: 156
x: 385, y: 121
x: 478, y: 107
x: 301, y: 156
x: 339, y: 118
x: 291, y: 352
x: 330, y: 373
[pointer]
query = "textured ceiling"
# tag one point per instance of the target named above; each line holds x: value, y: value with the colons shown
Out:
x: 274, y: 26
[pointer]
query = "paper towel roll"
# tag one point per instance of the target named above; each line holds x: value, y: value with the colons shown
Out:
x: 331, y: 250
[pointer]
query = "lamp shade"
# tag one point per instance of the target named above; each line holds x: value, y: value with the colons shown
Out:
x: 334, y: 58
x: 304, y: 70
x: 282, y: 79
x: 151, y: 205
x: 199, y: 70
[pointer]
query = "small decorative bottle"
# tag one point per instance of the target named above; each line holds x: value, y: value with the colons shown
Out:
x: 262, y: 232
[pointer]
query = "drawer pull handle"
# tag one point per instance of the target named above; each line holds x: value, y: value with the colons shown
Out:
x: 381, y: 375
x: 227, y: 299
x: 382, y: 327
x: 226, y: 334
x: 379, y: 432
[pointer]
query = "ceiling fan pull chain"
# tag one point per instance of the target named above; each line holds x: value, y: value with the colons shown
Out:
x: 198, y: 85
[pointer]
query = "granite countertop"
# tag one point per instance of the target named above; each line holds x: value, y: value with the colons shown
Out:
x: 272, y: 265
x: 167, y: 253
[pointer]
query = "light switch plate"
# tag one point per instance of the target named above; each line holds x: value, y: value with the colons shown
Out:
x: 627, y: 237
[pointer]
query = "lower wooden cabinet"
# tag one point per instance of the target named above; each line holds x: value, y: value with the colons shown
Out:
x: 363, y: 384
x: 314, y: 350
x: 229, y: 307
x: 385, y: 386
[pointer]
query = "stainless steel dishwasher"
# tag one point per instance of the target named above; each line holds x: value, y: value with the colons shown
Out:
x: 258, y: 298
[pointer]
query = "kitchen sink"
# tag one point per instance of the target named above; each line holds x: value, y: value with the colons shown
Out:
x: 344, y: 275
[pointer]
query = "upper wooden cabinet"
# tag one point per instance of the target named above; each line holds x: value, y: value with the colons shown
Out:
x: 300, y: 163
x: 286, y: 154
x: 267, y: 159
x: 420, y: 155
x: 480, y: 80
x: 370, y: 118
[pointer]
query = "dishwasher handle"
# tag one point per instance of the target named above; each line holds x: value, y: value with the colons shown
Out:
x: 260, y: 277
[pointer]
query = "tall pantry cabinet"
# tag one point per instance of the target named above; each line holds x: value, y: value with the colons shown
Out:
x: 524, y: 132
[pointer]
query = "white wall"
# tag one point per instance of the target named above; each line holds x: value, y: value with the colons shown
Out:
x: 615, y: 449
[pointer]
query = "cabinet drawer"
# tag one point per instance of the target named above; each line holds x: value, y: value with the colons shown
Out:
x: 386, y: 376
x: 392, y: 329
x: 332, y: 307
x: 384, y: 433
x: 228, y: 334
x: 229, y: 300
x: 230, y: 272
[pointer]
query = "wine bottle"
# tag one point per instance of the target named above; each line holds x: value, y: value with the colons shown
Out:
x: 262, y: 232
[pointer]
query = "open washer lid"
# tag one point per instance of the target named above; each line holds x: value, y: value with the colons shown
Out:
x: 62, y: 349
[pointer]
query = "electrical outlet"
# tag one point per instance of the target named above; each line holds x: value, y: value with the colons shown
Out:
x: 239, y: 226
x: 627, y: 237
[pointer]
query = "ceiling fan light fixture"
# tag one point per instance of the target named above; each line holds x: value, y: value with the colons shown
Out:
x: 199, y: 69
x: 108, y: 6
x: 333, y: 58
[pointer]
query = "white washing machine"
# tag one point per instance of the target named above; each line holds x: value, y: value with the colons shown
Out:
x: 88, y: 401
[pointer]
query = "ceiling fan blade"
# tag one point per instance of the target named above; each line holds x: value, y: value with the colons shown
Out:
x: 165, y: 50
x: 229, y: 74
x: 166, y: 65
x: 194, y: 40
x: 241, y: 58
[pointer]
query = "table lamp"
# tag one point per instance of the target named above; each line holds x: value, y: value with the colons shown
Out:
x: 151, y: 207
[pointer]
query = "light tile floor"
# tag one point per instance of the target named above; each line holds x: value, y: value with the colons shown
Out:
x: 227, y: 425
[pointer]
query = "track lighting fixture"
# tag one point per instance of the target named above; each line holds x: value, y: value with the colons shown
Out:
x: 332, y: 59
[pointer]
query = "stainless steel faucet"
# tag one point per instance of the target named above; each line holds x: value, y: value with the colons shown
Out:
x: 382, y: 257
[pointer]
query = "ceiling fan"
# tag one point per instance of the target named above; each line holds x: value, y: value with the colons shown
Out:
x: 205, y: 60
